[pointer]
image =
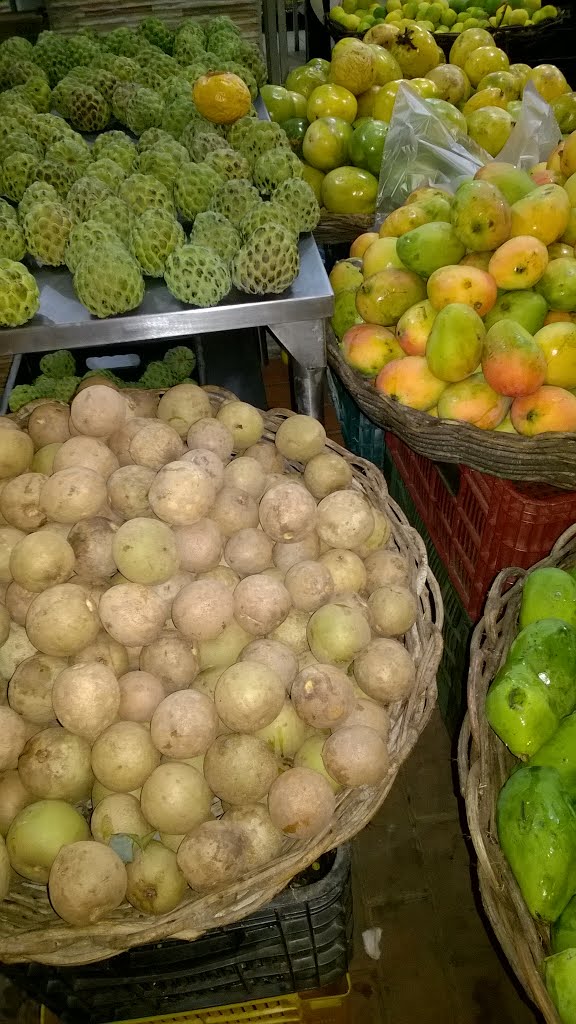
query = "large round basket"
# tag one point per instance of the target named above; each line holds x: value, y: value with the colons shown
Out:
x: 29, y: 929
x: 546, y: 458
x: 484, y: 764
x: 334, y: 228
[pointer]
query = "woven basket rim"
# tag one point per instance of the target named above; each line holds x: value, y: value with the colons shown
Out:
x: 29, y: 930
x: 484, y: 764
x: 545, y: 458
x: 502, y: 33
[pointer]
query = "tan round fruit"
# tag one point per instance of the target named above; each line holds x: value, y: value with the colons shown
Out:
x: 49, y: 424
x: 266, y: 453
x: 393, y: 610
x: 309, y: 584
x: 234, y: 510
x: 273, y: 655
x: 173, y: 660
x: 206, y: 462
x: 345, y: 519
x: 199, y: 545
x: 367, y: 713
x: 16, y: 453
x: 155, y: 445
x: 92, y: 543
x: 155, y: 883
x: 224, y: 574
x: 240, y: 768
x: 42, y: 560
x: 86, y: 699
x: 287, y: 554
x: 287, y: 512
x: 380, y: 534
x: 246, y: 474
x: 43, y: 461
x: 144, y: 551
x: 87, y: 882
x: 124, y: 756
x: 86, y: 453
x: 213, y: 855
x: 30, y: 688
x: 203, y: 609
x: 346, y: 570
x: 73, y: 494
x: 309, y: 755
x: 9, y: 538
x: 20, y: 501
x: 181, y: 493
x: 293, y: 631
x: 322, y: 696
x: 141, y: 403
x: 260, y: 604
x: 13, y: 732
x: 140, y: 695
x: 356, y: 756
x: 118, y: 814
x: 205, y: 682
x: 249, y: 551
x: 13, y: 798
x: 98, y: 411
x: 176, y: 798
x: 385, y: 671
x: 106, y: 651
x: 225, y: 649
x: 386, y: 568
x: 249, y: 696
x: 37, y: 834
x: 209, y: 434
x: 336, y: 633
x: 128, y: 491
x: 301, y: 803
x: 184, y: 405
x: 14, y: 651
x: 184, y: 724
x: 244, y: 422
x: 7, y: 611
x: 119, y: 443
x: 263, y: 840
x: 132, y: 613
x: 171, y: 841
x: 62, y: 620
x: 300, y: 438
x: 325, y: 473
x: 286, y: 733
x: 5, y: 871
x: 55, y: 765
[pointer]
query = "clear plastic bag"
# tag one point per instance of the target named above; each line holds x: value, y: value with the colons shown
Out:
x: 419, y: 149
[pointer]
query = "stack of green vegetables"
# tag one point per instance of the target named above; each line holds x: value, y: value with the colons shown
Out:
x: 531, y: 705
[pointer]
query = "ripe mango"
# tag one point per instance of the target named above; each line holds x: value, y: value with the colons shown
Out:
x: 454, y: 347
x: 481, y: 217
x: 512, y: 362
x: 513, y: 183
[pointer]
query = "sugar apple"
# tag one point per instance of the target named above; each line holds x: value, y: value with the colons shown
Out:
x: 68, y: 151
x: 154, y: 236
x: 260, y: 137
x: 124, y: 69
x: 152, y: 137
x: 37, y: 192
x: 192, y: 72
x: 144, y: 110
x: 16, y: 173
x: 202, y: 143
x: 143, y: 192
x: 176, y: 152
x: 21, y: 142
x: 123, y: 41
x: 157, y: 33
x: 47, y: 128
x: 61, y: 176
x: 175, y: 88
x: 177, y: 114
x: 268, y: 213
x: 17, y: 107
x: 9, y: 125
x: 82, y: 49
x: 199, y: 125
x: 196, y: 275
x: 299, y: 196
x: 87, y: 236
x: 19, y: 295
x: 112, y: 137
x: 214, y: 231
x: 194, y: 189
x: 121, y: 97
x: 88, y: 111
x: 274, y: 167
x: 17, y: 72
x: 109, y: 172
x: 268, y: 262
x: 12, y: 244
x: 7, y: 211
x: 228, y: 163
x: 234, y: 199
x: 160, y: 164
x: 151, y: 78
x: 108, y: 282
x: 84, y: 195
x: 116, y: 214
x: 53, y: 55
x: 17, y: 47
x: 188, y: 48
x: 248, y: 54
x: 47, y: 226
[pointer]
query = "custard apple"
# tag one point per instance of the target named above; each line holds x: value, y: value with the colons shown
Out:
x: 228, y: 163
x: 160, y: 164
x: 61, y: 176
x: 274, y: 167
x: 143, y: 192
x: 47, y: 128
x: 260, y: 137
x: 17, y: 47
x: 113, y: 137
x: 299, y: 196
x: 268, y: 262
x: 123, y: 41
x: 178, y: 113
x: 7, y: 211
x: 88, y: 111
x: 268, y: 213
x: 9, y: 125
x: 192, y: 72
x: 53, y: 55
x: 199, y: 125
x: 234, y: 199
x: 144, y: 110
x: 60, y: 97
x: 47, y: 226
x: 68, y: 151
x: 196, y: 275
x: 19, y: 295
x: 37, y: 192
x: 17, y: 107
x: 20, y: 71
x: 87, y: 236
x: 21, y: 142
x: 194, y: 189
x: 174, y: 89
x: 248, y: 54
x: 157, y: 33
x: 153, y: 137
x: 216, y: 232
x: 108, y: 282
x: 12, y: 244
x: 121, y: 97
x: 188, y: 48
x: 109, y: 172
x: 151, y: 78
x: 202, y: 143
x: 113, y: 212
x: 82, y: 49
x: 16, y: 173
x: 84, y: 195
x: 124, y: 69
x: 154, y: 236
x: 173, y: 149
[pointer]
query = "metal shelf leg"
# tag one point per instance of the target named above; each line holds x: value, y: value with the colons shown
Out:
x: 306, y: 345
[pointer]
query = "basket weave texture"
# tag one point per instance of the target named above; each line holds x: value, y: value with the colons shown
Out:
x: 71, y: 16
x: 333, y: 227
x: 29, y: 929
x: 546, y: 458
x: 484, y: 764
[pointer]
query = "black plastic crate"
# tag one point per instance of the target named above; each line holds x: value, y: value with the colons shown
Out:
x: 301, y: 940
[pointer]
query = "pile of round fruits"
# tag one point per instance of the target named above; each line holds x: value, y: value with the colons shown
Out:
x: 336, y: 114
x: 201, y: 635
x: 440, y: 16
x: 464, y: 306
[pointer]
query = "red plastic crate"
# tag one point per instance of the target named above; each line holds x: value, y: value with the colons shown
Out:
x: 480, y: 524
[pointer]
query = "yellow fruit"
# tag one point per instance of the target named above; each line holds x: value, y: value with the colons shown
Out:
x: 416, y: 51
x: 222, y: 97
x: 385, y: 100
x: 314, y: 177
x: 549, y: 81
x: 483, y: 61
x: 468, y: 41
x: 353, y: 68
x: 489, y: 97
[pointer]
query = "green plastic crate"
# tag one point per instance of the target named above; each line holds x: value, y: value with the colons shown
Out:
x: 365, y: 439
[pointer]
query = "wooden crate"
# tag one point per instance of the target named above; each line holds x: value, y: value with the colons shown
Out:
x: 104, y: 15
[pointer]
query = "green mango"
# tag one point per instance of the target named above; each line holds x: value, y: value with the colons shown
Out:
x: 548, y: 647
x: 345, y: 313
x: 536, y: 826
x: 525, y: 307
x: 518, y: 710
x: 454, y: 345
x: 563, y: 931
x: 548, y: 594
x: 429, y: 247
x: 559, y: 752
x: 560, y: 978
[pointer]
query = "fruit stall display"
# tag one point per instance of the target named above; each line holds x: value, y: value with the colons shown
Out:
x: 442, y: 17
x: 518, y: 773
x: 178, y: 180
x: 219, y: 641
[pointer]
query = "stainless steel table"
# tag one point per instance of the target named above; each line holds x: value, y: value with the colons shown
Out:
x: 295, y: 318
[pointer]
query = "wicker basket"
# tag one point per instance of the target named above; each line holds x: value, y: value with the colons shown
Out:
x: 29, y: 929
x: 103, y: 16
x: 334, y: 228
x: 547, y: 458
x: 484, y: 764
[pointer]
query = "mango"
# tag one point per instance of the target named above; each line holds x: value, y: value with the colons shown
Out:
x: 563, y: 931
x: 558, y: 249
x: 547, y: 409
x: 381, y: 255
x: 559, y: 752
x: 346, y: 275
x: 512, y: 362
x: 402, y: 220
x: 410, y: 382
x: 519, y: 263
x: 473, y: 401
x: 544, y: 214
x: 524, y: 307
x: 414, y: 326
x: 368, y: 347
x: 454, y: 347
x: 560, y: 979
x: 426, y: 192
x: 558, y: 343
x: 513, y: 183
x: 558, y: 284
x: 362, y: 243
x: 548, y: 593
x: 384, y: 297
x: 568, y: 156
x: 429, y: 247
x: 518, y: 710
x: 506, y: 426
x: 481, y: 260
x: 345, y: 313
x: 548, y: 647
x: 481, y: 217
x: 468, y: 285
